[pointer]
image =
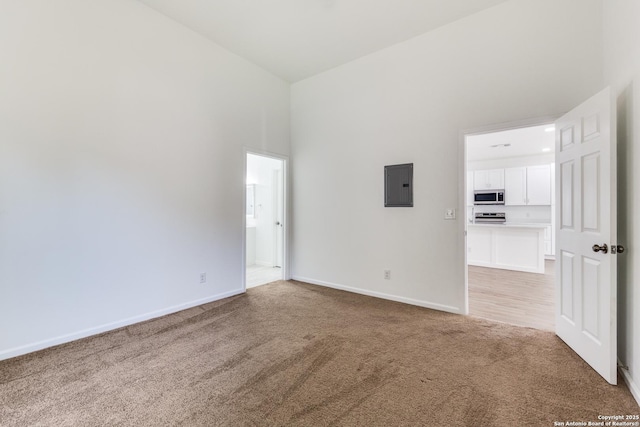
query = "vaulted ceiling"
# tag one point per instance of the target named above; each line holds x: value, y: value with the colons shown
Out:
x: 295, y: 39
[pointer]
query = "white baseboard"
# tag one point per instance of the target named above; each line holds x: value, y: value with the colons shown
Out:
x: 62, y: 339
x: 264, y: 263
x: 420, y: 303
x: 633, y: 387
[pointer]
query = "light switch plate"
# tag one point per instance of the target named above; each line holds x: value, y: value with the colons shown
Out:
x: 450, y: 213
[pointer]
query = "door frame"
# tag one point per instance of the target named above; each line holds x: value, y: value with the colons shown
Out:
x: 462, y: 180
x: 286, y: 274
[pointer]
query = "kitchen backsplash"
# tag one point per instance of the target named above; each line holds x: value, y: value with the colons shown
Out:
x: 521, y: 214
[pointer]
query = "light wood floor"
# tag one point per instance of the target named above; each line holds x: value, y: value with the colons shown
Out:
x: 524, y: 299
x: 259, y: 275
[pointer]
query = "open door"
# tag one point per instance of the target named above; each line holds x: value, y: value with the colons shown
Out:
x: 278, y: 202
x: 586, y: 232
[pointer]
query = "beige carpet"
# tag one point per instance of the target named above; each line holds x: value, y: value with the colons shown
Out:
x: 296, y: 354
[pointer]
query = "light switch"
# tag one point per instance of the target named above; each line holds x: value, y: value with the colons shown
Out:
x: 450, y: 214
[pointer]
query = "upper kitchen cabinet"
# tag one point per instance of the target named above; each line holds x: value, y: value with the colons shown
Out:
x: 492, y: 179
x: 539, y: 185
x: 515, y: 188
x: 528, y: 186
x: 469, y: 189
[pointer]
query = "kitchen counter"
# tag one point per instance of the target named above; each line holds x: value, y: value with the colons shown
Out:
x: 511, y: 224
x: 508, y: 246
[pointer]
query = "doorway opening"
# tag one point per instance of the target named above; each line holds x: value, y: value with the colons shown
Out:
x: 265, y: 219
x: 510, y: 223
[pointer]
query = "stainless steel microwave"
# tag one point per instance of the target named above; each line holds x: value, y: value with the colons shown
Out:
x: 488, y: 197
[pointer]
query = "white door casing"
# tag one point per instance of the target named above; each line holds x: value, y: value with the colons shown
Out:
x: 586, y: 216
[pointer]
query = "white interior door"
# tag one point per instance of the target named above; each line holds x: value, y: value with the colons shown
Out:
x: 586, y: 232
x: 278, y: 193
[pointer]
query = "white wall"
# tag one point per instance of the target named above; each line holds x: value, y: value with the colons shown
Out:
x: 121, y: 166
x: 622, y: 72
x: 409, y: 103
x: 511, y: 162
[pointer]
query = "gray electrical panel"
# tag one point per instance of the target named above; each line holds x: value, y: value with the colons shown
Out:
x: 398, y: 185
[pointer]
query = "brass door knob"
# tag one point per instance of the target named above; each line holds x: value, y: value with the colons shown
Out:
x: 604, y: 248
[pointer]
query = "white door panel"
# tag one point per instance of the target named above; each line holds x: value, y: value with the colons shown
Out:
x: 586, y: 216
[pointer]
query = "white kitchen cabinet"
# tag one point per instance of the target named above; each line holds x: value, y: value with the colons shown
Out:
x: 489, y: 179
x: 479, y: 246
x: 480, y: 179
x: 508, y: 247
x: 548, y: 241
x: 515, y: 186
x: 539, y: 185
x: 528, y: 186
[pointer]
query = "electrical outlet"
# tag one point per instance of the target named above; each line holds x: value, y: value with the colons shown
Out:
x: 450, y: 213
x: 387, y: 275
x: 203, y: 277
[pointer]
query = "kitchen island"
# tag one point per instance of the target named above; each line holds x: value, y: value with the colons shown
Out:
x: 508, y: 246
